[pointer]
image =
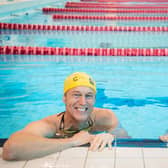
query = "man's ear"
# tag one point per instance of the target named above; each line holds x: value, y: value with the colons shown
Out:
x: 95, y: 99
x: 64, y: 98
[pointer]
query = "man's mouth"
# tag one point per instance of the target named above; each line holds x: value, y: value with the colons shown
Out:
x: 81, y: 109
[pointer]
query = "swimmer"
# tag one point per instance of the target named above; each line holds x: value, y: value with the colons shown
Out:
x: 74, y: 127
x: 164, y: 138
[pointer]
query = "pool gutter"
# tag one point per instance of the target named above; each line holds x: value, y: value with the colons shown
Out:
x: 149, y: 143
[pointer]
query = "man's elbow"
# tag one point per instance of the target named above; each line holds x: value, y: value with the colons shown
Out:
x: 8, y: 153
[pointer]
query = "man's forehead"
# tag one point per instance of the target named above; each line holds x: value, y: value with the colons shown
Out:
x: 82, y: 89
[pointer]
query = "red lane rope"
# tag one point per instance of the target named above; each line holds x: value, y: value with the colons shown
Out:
x: 113, y: 3
x: 118, y: 5
x: 149, y: 1
x: 110, y: 17
x: 124, y: 1
x: 21, y: 50
x: 51, y: 10
x: 17, y: 26
x: 110, y: 5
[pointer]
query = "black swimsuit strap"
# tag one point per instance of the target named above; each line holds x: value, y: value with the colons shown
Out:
x: 61, y: 127
x: 60, y: 113
x: 62, y: 120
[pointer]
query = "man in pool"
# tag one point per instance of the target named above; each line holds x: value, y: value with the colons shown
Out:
x: 164, y: 137
x: 74, y: 127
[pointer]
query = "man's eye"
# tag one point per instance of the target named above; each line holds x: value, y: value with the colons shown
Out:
x: 76, y: 95
x: 89, y: 96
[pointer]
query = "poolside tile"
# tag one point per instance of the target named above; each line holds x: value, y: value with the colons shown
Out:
x: 129, y: 157
x: 82, y: 158
x: 156, y: 163
x: 155, y: 153
x: 72, y: 158
x: 103, y: 154
x: 72, y: 162
x: 104, y: 162
x: 10, y: 164
x: 129, y: 163
x: 155, y: 157
x: 44, y: 162
x: 129, y: 152
x: 74, y: 152
x: 103, y: 159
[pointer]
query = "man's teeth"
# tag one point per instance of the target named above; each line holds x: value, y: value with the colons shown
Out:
x: 82, y: 109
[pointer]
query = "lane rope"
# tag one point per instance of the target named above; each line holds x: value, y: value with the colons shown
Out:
x: 51, y: 10
x: 19, y: 27
x: 29, y: 50
x: 56, y: 16
x: 111, y: 5
x: 149, y: 1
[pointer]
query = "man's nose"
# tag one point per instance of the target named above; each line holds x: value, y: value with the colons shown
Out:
x: 82, y: 100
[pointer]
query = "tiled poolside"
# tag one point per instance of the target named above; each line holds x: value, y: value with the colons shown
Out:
x: 80, y: 157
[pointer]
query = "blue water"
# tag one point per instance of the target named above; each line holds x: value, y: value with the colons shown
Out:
x: 80, y: 39
x: 36, y: 16
x: 135, y: 88
x: 40, y: 18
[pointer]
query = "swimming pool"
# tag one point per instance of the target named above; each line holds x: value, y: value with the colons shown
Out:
x: 135, y: 88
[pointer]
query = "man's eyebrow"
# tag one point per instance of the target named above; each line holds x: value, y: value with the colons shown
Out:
x: 90, y: 93
x: 75, y: 91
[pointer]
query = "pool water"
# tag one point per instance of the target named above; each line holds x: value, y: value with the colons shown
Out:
x: 40, y: 18
x: 135, y: 88
x: 80, y: 39
x: 36, y: 16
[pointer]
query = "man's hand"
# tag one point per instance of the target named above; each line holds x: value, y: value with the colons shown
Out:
x: 164, y: 138
x: 81, y: 138
x: 100, y: 141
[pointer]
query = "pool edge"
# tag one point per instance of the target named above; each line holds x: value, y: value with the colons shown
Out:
x: 123, y: 142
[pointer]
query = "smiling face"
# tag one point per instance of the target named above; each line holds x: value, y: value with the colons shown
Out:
x: 79, y: 102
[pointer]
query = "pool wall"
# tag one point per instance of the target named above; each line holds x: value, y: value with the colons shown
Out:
x: 149, y: 143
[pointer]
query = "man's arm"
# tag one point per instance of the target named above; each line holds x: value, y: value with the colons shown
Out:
x: 33, y: 142
x: 119, y: 132
x: 115, y: 126
x: 107, y: 121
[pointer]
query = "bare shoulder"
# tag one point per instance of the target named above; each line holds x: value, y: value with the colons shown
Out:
x: 103, y: 112
x: 44, y: 127
x: 105, y: 116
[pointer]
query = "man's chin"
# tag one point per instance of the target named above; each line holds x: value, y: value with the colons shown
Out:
x: 81, y: 118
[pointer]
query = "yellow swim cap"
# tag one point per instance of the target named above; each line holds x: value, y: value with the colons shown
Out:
x: 79, y: 79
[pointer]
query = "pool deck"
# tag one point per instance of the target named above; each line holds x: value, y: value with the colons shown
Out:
x: 4, y: 2
x: 80, y: 157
